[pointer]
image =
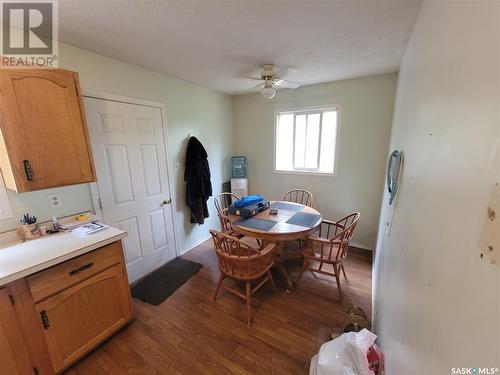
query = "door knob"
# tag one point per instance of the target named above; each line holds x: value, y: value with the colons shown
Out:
x: 166, y: 201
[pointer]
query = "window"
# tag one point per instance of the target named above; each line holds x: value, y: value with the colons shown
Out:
x: 306, y: 141
x: 5, y: 209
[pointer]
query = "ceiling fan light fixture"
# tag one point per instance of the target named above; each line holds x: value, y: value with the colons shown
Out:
x: 268, y: 91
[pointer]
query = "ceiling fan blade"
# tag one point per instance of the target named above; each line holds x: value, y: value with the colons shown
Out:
x: 288, y: 84
x: 250, y: 72
x: 251, y: 89
x: 280, y: 72
x: 255, y: 78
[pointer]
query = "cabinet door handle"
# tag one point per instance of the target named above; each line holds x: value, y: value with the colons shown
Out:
x: 45, y: 319
x: 27, y: 170
x: 81, y: 269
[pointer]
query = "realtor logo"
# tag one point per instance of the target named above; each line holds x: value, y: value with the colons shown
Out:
x: 29, y: 34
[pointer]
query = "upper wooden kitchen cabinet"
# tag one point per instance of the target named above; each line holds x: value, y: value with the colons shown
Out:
x: 44, y: 138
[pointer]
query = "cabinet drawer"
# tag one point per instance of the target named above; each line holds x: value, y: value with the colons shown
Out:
x: 55, y: 279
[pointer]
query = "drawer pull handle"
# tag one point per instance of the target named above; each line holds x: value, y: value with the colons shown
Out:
x: 27, y: 170
x: 45, y: 319
x: 81, y: 269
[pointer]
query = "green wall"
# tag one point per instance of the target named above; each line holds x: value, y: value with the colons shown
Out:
x: 190, y: 109
x: 365, y: 126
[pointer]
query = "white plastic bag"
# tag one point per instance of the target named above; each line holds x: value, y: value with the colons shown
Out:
x: 345, y: 355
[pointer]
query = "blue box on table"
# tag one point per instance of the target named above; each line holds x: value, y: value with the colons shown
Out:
x: 250, y: 210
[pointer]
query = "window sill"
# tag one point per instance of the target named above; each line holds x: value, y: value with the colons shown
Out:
x: 307, y: 173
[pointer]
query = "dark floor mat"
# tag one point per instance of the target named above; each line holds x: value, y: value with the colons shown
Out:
x: 160, y: 284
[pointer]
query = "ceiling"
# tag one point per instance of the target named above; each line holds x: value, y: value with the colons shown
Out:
x: 215, y: 43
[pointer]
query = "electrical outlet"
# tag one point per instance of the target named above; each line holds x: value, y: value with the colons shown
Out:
x: 55, y: 200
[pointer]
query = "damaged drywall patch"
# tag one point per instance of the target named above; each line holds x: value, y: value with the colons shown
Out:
x: 491, y: 214
x: 490, y: 235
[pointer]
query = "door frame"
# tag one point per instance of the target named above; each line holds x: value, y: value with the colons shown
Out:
x: 94, y: 189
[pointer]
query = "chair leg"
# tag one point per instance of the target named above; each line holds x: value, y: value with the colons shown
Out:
x: 343, y: 271
x: 272, y: 280
x: 249, y: 296
x: 337, y: 277
x: 304, y: 264
x: 219, y: 284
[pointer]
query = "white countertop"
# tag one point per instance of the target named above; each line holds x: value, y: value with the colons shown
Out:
x: 21, y: 259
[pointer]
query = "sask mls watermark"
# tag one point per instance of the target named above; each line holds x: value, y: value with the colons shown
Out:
x: 474, y: 371
x: 29, y: 34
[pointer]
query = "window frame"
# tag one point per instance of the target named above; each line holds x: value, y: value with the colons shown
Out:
x: 309, y: 110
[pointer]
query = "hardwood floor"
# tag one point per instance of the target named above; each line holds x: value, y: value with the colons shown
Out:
x: 190, y: 334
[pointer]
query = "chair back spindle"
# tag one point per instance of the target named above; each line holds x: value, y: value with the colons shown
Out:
x: 222, y: 203
x: 300, y: 196
x: 239, y: 260
x: 337, y: 234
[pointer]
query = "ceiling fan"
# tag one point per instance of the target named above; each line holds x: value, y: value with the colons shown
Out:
x: 272, y: 78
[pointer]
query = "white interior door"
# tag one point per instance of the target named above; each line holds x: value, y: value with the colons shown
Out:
x: 131, y: 163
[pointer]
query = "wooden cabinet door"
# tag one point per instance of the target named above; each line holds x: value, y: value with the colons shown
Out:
x: 14, y: 357
x: 79, y: 318
x: 43, y: 123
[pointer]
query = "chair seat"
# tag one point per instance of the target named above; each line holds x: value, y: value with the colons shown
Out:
x: 233, y: 233
x: 243, y: 278
x: 253, y: 242
x: 316, y: 255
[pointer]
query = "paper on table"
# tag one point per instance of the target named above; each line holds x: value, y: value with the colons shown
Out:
x: 71, y: 222
x: 88, y: 229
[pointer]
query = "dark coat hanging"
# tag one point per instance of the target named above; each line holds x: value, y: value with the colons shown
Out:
x: 197, y: 177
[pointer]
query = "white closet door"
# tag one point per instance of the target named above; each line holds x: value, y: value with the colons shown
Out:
x: 131, y: 164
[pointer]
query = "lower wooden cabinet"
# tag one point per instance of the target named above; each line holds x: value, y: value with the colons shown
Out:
x: 72, y: 321
x: 78, y: 318
x: 14, y: 356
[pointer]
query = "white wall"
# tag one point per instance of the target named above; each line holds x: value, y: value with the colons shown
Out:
x: 436, y: 300
x: 190, y: 109
x: 367, y: 107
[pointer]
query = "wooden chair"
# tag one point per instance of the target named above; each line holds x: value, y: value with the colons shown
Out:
x: 329, y: 246
x: 241, y: 262
x: 299, y: 196
x: 222, y: 203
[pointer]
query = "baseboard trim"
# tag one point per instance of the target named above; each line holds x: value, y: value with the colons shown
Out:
x: 353, y: 249
x: 360, y: 246
x: 193, y: 246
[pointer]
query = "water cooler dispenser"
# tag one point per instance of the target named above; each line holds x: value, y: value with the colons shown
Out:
x: 239, y: 180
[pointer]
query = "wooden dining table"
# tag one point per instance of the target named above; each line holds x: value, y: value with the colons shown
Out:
x: 280, y: 232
